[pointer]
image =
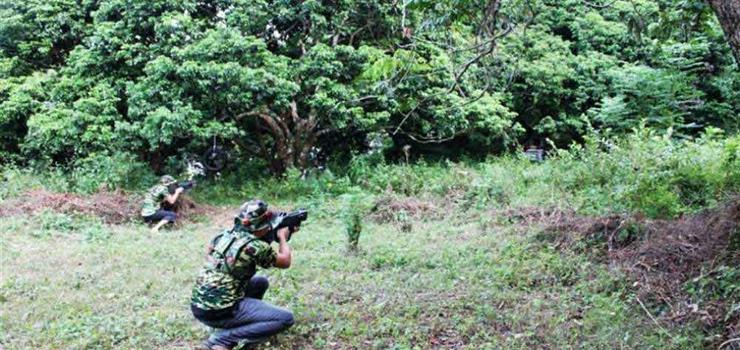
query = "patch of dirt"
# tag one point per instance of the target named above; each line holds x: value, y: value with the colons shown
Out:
x: 394, y: 209
x: 659, y: 256
x: 565, y: 227
x: 187, y: 209
x: 113, y: 207
x: 676, y: 251
x: 445, y: 339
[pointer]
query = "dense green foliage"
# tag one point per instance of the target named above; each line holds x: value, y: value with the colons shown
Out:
x: 646, y: 172
x: 82, y: 81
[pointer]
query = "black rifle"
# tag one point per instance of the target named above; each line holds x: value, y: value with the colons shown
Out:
x: 290, y: 220
x: 186, y: 185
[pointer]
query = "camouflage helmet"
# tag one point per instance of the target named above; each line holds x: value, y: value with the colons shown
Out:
x: 254, y: 216
x: 167, y: 180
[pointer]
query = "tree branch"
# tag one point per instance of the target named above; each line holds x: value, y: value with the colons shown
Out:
x: 599, y: 6
x: 358, y: 31
x: 420, y: 139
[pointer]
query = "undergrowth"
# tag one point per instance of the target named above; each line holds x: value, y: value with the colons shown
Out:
x: 437, y: 263
x: 644, y: 172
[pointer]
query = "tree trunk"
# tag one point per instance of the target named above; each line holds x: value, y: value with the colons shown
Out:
x: 292, y: 138
x: 728, y: 13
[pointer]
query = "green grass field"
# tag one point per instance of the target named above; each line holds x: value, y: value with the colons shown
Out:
x: 464, y: 282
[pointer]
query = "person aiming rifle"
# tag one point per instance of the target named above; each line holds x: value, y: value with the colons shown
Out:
x: 227, y: 294
x: 152, y: 210
x: 161, y: 198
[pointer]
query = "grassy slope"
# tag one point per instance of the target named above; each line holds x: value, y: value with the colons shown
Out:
x: 447, y: 284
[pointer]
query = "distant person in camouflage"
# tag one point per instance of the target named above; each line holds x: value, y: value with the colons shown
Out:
x: 151, y: 209
x: 227, y: 293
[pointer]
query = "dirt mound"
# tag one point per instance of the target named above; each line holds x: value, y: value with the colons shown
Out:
x: 673, y: 252
x: 394, y: 209
x: 187, y: 209
x: 566, y: 227
x: 659, y: 256
x: 113, y: 207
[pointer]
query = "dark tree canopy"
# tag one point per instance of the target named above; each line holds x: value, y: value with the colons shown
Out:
x: 279, y: 80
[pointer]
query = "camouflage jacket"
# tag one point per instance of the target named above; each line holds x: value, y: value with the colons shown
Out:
x: 232, y: 259
x: 153, y: 199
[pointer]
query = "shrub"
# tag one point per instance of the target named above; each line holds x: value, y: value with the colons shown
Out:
x: 645, y: 171
x: 355, y: 206
x: 111, y: 171
x: 354, y: 228
x: 731, y: 163
x: 16, y: 180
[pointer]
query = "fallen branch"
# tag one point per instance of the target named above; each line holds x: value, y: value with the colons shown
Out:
x: 653, y: 318
x: 728, y: 342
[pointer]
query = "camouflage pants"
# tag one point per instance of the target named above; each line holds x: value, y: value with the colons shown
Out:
x: 253, y: 319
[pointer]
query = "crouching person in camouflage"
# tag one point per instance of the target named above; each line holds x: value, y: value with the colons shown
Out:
x: 151, y: 209
x: 228, y: 295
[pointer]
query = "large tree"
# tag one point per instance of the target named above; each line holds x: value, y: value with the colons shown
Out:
x: 274, y: 79
x: 728, y: 13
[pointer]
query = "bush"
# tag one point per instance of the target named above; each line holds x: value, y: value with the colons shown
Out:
x: 646, y: 172
x: 354, y: 229
x: 16, y: 181
x: 86, y: 175
x: 437, y: 179
x: 731, y: 163
x: 119, y: 170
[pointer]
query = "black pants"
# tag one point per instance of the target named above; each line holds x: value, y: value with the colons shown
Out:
x: 161, y: 215
x: 251, y: 321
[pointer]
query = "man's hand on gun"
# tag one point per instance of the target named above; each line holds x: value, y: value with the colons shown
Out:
x: 283, y: 234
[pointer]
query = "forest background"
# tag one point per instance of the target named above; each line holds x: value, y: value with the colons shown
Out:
x: 401, y: 126
x: 281, y: 83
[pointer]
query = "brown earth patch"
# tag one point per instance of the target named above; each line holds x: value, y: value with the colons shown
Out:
x: 188, y: 210
x: 113, y: 207
x: 403, y: 211
x: 659, y: 256
x: 392, y: 209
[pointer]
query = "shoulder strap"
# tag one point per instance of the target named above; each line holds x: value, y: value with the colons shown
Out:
x: 228, y: 248
x: 240, y: 244
x: 221, y: 246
